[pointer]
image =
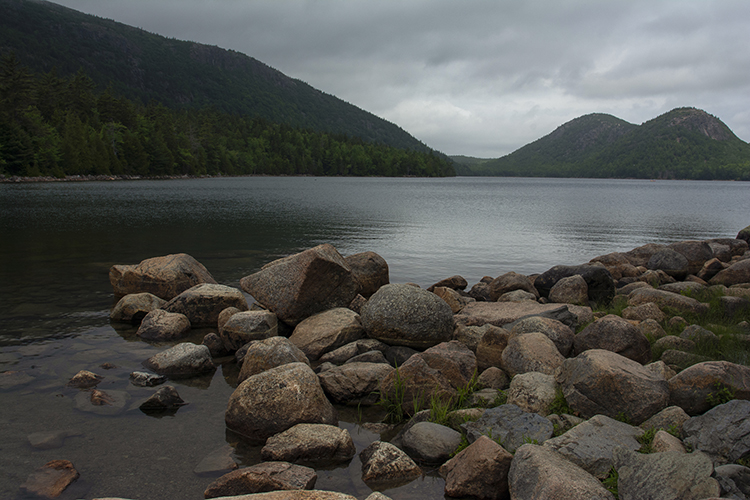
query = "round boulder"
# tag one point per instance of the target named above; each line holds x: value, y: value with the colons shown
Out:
x: 202, y: 304
x: 269, y: 353
x: 559, y: 333
x: 326, y: 331
x: 133, y: 307
x: 530, y: 352
x: 617, y: 335
x: 370, y: 270
x: 246, y: 326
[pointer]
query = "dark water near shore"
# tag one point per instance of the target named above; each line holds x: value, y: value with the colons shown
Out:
x: 58, y: 240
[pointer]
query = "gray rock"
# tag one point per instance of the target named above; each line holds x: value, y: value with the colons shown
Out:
x: 570, y: 290
x: 511, y: 425
x: 310, y: 443
x: 203, y: 303
x: 370, y: 270
x: 144, y: 379
x: 218, y: 461
x: 215, y: 345
x: 517, y: 296
x: 479, y: 471
x: 696, y: 388
x: 559, y: 333
x: 266, y: 476
x: 247, y: 326
x: 161, y: 325
x: 723, y: 432
x: 303, y: 284
x: 591, y: 444
x: 533, y: 392
x: 510, y: 282
x: 133, y: 307
x: 682, y: 286
x: 671, y: 416
x: 666, y: 476
x: 670, y: 261
x: 430, y: 443
x: 326, y: 331
x: 507, y: 313
x: 341, y: 355
x: 711, y: 268
x: 354, y: 383
x: 48, y: 440
x: 698, y: 334
x: 651, y: 329
x: 640, y: 256
x: 601, y: 286
x: 531, y: 352
x: 406, y: 315
x: 673, y: 342
x: 617, y: 264
x: 666, y: 299
x: 184, y: 360
x: 603, y: 382
x: 397, y: 355
x: 275, y: 400
x: 385, y: 465
x: 733, y: 306
x: 539, y: 472
x: 166, y: 277
x: 664, y: 441
x: 734, y: 479
x: 695, y: 252
x: 369, y: 357
x: 615, y: 334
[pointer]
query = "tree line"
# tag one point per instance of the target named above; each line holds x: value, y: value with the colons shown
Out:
x: 62, y: 126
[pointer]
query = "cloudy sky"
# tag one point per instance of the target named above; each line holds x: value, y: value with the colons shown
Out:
x: 482, y: 77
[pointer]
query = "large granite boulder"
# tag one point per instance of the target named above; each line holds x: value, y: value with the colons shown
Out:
x: 203, y: 303
x: 133, y: 307
x: 539, y: 472
x: 603, y: 382
x: 328, y: 330
x: 166, y: 277
x: 303, y: 284
x: 430, y: 443
x: 263, y: 355
x: 246, y: 326
x: 697, y: 388
x: 162, y: 325
x: 310, y: 443
x: 275, y: 400
x: 695, y: 252
x: 530, y: 352
x: 266, y: 476
x: 615, y: 334
x: 666, y: 299
x: 601, y: 286
x: 370, y: 270
x: 739, y: 272
x: 558, y: 332
x: 510, y: 425
x: 354, y: 383
x: 510, y: 282
x: 671, y: 262
x: 413, y: 384
x: 407, y: 315
x: 184, y: 360
x: 533, y: 392
x: 507, y: 313
x: 479, y: 471
x: 570, y: 290
x: 723, y: 432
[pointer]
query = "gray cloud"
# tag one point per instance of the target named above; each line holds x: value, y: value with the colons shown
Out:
x: 482, y: 77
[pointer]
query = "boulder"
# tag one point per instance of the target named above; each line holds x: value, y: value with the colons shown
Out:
x: 267, y: 476
x: 133, y: 307
x: 413, y: 384
x: 739, y: 272
x: 603, y: 382
x: 494, y: 378
x: 310, y: 443
x: 533, y: 392
x: 354, y: 383
x: 664, y: 441
x: 723, y: 432
x: 683, y: 287
x: 430, y: 443
x: 161, y: 325
x: 615, y: 334
x: 369, y: 357
x: 219, y: 461
x: 328, y: 330
x: 671, y: 262
x: 481, y: 291
x: 539, y: 472
x: 671, y: 416
x: 530, y: 352
x: 733, y: 306
x: 166, y: 277
x: 666, y: 476
x: 296, y: 495
x: 51, y: 479
x: 269, y: 353
x: 510, y: 426
x: 744, y: 234
x: 275, y: 400
x: 184, y: 360
x: 617, y: 264
x: 303, y: 284
x: 591, y: 444
x: 406, y: 315
x: 697, y: 388
x: 601, y: 286
x: 471, y: 335
x: 454, y: 283
x: 695, y: 252
x: 490, y: 348
x: 203, y: 303
x: 384, y: 465
x: 479, y: 471
x: 699, y: 335
x: 225, y: 315
x: 84, y: 379
x: 510, y: 282
x: 559, y: 333
x: 642, y: 312
x: 504, y: 313
x: 570, y: 290
x: 455, y: 300
x: 641, y: 255
x: 247, y: 326
x: 666, y: 299
x: 369, y: 270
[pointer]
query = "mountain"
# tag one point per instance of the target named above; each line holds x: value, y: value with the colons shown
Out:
x: 685, y: 143
x: 142, y: 66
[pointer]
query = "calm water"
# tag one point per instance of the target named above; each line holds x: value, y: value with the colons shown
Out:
x: 58, y: 240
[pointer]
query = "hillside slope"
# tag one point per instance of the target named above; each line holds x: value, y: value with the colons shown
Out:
x: 143, y: 66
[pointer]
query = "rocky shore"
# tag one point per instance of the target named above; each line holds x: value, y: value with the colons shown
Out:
x: 625, y: 377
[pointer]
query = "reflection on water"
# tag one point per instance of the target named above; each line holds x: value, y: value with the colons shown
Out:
x: 58, y: 242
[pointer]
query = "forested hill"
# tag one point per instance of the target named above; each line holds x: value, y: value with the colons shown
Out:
x: 142, y: 67
x: 685, y: 143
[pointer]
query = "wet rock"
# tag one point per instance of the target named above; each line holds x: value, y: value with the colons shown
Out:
x: 354, y: 383
x: 384, y: 465
x: 275, y: 400
x: 479, y: 471
x: 269, y: 353
x: 181, y: 361
x: 454, y: 283
x: 203, y: 303
x: 570, y: 290
x: 533, y: 392
x: 510, y: 282
x: 326, y: 331
x: 303, y: 284
x: 601, y: 286
x: 430, y: 443
x: 166, y: 277
x: 540, y: 472
x: 50, y: 480
x: 219, y: 460
x: 164, y: 400
x: 144, y: 379
x: 603, y: 382
x: 370, y: 270
x: 510, y: 425
x: 133, y: 307
x: 406, y: 315
x: 615, y: 334
x: 666, y: 476
x: 247, y: 326
x: 666, y: 299
x: 310, y: 443
x: 215, y: 345
x: 48, y: 440
x: 102, y: 403
x: 723, y: 432
x: 559, y: 333
x: 263, y: 477
x: 160, y: 325
x: 530, y: 352
x: 591, y: 444
x: 695, y: 388
x: 84, y: 379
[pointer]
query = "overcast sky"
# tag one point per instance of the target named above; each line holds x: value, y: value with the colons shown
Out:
x: 482, y: 78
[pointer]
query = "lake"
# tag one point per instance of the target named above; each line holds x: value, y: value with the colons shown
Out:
x: 58, y: 241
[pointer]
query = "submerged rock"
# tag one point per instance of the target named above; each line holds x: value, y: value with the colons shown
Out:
x: 50, y: 480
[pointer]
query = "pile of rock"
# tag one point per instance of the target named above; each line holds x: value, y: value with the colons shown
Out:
x: 369, y: 341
